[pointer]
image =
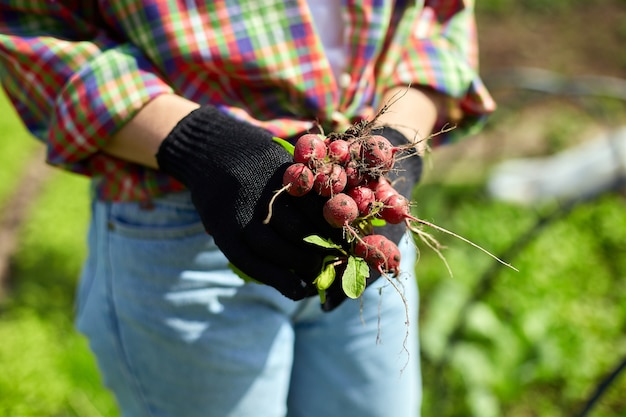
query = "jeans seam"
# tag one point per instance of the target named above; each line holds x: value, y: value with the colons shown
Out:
x: 86, y: 284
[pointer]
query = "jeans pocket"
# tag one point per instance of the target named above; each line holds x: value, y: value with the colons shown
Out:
x: 170, y: 217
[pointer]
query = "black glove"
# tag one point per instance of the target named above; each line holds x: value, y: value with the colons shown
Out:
x: 404, y: 176
x: 232, y: 169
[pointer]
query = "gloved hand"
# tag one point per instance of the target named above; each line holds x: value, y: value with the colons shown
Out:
x: 404, y: 176
x: 232, y: 170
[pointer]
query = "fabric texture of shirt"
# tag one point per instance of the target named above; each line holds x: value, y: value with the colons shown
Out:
x: 78, y: 70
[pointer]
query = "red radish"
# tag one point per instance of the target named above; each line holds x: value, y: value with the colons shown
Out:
x: 363, y: 197
x: 353, y: 174
x: 395, y: 209
x: 298, y: 179
x: 354, y: 146
x: 382, y: 189
x: 378, y: 154
x: 340, y: 210
x: 339, y: 151
x: 310, y: 149
x: 330, y: 180
x: 379, y: 252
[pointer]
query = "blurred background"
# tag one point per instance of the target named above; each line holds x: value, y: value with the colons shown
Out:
x: 541, y: 186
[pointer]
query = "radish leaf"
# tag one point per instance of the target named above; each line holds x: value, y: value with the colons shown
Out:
x: 376, y: 222
x: 327, y: 276
x: 320, y: 241
x: 282, y: 142
x: 242, y: 275
x: 354, y: 277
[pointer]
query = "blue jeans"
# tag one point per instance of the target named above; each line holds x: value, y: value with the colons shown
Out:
x: 177, y: 334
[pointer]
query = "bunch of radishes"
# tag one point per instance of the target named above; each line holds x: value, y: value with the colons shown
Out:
x: 350, y: 171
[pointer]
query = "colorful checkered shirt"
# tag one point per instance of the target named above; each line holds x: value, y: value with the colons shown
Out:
x: 77, y: 70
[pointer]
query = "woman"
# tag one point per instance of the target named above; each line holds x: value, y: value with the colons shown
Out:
x: 171, y: 108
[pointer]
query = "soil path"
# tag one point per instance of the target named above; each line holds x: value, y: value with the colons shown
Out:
x: 16, y: 209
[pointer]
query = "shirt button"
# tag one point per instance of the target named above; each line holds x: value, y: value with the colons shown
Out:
x: 344, y: 80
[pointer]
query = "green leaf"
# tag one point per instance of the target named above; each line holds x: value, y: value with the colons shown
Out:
x: 242, y: 274
x: 362, y: 267
x: 322, y: 296
x: 354, y: 277
x: 282, y: 142
x: 327, y: 276
x: 376, y: 222
x: 320, y: 241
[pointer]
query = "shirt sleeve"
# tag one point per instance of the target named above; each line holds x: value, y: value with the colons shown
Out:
x: 442, y: 53
x: 71, y: 81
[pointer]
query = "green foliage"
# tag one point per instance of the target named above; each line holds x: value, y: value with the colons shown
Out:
x: 530, y: 343
x: 52, y: 246
x: 47, y: 368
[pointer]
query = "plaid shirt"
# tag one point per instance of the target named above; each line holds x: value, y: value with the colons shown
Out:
x: 77, y: 70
